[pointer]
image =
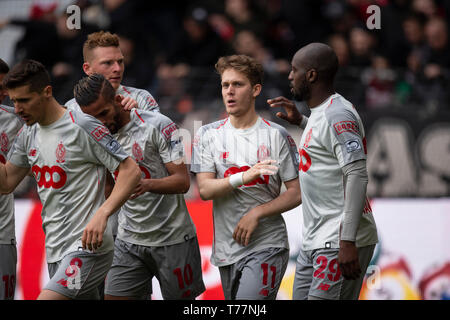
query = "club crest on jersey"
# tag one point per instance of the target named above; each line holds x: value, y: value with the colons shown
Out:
x: 307, y: 138
x: 263, y: 153
x: 4, y: 141
x: 60, y: 153
x: 224, y: 155
x: 137, y: 152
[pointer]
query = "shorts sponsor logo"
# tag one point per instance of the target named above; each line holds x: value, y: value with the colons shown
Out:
x: 352, y: 145
x: 169, y: 130
x: 346, y: 126
x: 99, y: 132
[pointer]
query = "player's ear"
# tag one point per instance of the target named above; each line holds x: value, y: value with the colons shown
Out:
x: 311, y: 75
x: 48, y: 91
x: 87, y: 68
x: 257, y: 90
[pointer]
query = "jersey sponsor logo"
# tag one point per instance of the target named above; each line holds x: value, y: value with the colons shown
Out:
x: 60, y: 153
x: 304, y: 161
x: 137, y: 152
x: 346, y: 126
x: 263, y: 153
x: 352, y: 146
x: 4, y: 141
x: 99, y: 132
x: 49, y: 177
x: 261, y: 180
x: 307, y: 138
x: 169, y: 130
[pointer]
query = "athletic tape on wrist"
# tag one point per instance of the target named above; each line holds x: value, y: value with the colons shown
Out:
x: 236, y: 180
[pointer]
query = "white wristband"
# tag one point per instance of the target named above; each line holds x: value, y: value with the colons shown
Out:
x: 236, y: 180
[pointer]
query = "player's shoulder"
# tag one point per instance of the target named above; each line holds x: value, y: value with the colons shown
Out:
x: 86, y: 123
x: 9, y: 113
x: 72, y: 105
x: 154, y: 120
x: 340, y: 109
x: 4, y: 109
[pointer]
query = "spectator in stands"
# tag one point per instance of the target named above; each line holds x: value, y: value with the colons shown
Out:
x: 362, y: 43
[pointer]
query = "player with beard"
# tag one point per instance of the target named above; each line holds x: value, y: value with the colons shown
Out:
x: 339, y: 231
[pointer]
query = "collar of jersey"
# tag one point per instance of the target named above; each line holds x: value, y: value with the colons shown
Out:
x: 325, y: 104
x: 228, y: 125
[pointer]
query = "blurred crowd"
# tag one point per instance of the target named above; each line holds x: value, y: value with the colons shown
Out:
x: 170, y: 47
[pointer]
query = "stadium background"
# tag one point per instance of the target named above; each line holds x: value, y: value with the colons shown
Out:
x: 397, y: 77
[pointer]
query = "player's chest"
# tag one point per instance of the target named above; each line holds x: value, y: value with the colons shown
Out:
x: 138, y: 144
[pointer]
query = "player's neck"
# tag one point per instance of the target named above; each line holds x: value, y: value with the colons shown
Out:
x: 244, y: 121
x: 319, y: 97
x: 53, y: 112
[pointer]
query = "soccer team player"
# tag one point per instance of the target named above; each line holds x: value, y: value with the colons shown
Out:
x: 240, y: 163
x: 10, y: 124
x: 156, y: 236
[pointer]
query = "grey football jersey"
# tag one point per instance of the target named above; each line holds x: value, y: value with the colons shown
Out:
x: 67, y: 159
x: 10, y: 125
x: 151, y: 219
x: 333, y: 138
x: 220, y: 148
x: 143, y: 98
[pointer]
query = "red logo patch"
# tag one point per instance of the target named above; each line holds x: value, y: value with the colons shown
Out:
x: 4, y: 141
x: 224, y: 155
x: 169, y: 130
x: 291, y: 141
x: 346, y: 126
x: 99, y: 132
x: 60, y: 153
x: 137, y: 152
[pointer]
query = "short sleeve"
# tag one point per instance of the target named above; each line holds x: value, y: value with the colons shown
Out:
x: 202, y: 160
x: 345, y: 139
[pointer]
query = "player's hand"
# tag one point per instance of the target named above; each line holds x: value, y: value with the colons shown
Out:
x: 128, y: 103
x: 292, y: 115
x: 142, y: 187
x: 92, y: 238
x: 260, y: 169
x: 245, y: 228
x: 348, y: 260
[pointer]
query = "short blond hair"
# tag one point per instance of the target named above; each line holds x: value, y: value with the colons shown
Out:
x: 99, y: 39
x: 251, y: 68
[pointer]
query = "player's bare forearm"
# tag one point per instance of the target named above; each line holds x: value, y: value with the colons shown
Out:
x: 177, y: 182
x: 127, y: 179
x: 10, y: 176
x: 348, y: 260
x: 211, y: 187
x: 288, y: 200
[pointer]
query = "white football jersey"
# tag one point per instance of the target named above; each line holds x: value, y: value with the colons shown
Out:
x: 67, y: 159
x: 151, y: 219
x: 333, y: 138
x: 10, y: 125
x: 220, y: 148
x: 143, y: 98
